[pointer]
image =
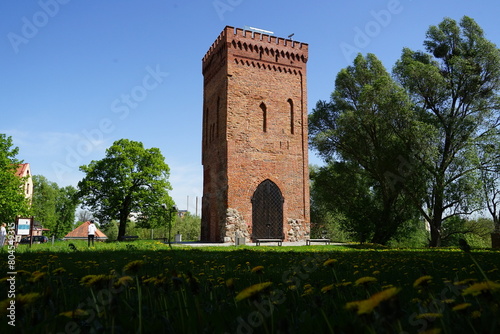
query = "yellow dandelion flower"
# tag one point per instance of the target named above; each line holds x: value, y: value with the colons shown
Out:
x: 36, y: 276
x: 467, y: 281
x: 432, y: 331
x: 133, y: 266
x: 252, y: 290
x: 376, y: 272
x: 87, y: 279
x: 481, y: 287
x: 461, y: 307
x: 365, y: 280
x: 329, y: 262
x: 230, y: 282
x: 96, y: 280
x: 327, y: 288
x: 124, y: 280
x: 475, y: 314
x: 308, y: 291
x: 429, y: 316
x: 344, y: 284
x: 307, y: 286
x: 422, y: 281
x: 27, y: 299
x: 58, y: 271
x: 78, y: 313
x: 292, y: 287
x: 366, y: 306
x: 257, y: 269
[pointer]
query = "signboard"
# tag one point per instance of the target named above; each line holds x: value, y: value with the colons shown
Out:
x: 24, y: 226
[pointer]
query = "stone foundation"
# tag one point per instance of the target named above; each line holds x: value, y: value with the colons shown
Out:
x: 297, y: 230
x: 234, y: 224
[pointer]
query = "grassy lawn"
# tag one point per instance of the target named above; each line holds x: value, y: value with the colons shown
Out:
x: 145, y: 287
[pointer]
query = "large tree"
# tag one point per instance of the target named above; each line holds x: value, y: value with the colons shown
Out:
x: 361, y: 128
x: 128, y: 179
x: 54, y: 207
x: 455, y: 91
x: 12, y: 199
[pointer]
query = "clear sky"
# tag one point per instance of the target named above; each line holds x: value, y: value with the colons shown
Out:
x: 77, y: 75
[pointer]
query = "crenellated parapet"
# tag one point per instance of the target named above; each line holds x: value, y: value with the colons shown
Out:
x: 256, y: 49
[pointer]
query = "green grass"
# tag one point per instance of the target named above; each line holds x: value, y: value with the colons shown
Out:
x: 144, y: 287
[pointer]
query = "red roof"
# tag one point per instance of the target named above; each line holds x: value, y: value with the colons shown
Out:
x: 81, y: 233
x: 22, y: 169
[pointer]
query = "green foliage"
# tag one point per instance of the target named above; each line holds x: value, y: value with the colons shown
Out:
x: 12, y: 199
x: 476, y: 232
x: 359, y: 134
x: 189, y: 226
x: 54, y: 207
x: 455, y: 91
x: 129, y: 179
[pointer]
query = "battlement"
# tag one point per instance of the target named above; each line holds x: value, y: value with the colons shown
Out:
x: 249, y: 39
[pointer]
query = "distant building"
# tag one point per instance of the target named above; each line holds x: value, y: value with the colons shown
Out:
x: 24, y: 171
x: 81, y: 233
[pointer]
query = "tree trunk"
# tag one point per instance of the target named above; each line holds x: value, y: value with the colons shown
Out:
x: 435, y: 234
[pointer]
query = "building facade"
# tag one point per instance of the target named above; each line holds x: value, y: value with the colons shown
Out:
x: 254, y: 149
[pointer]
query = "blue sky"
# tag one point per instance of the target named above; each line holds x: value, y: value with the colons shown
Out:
x: 77, y: 75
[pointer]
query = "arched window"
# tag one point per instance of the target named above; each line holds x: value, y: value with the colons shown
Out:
x: 263, y: 108
x: 292, y: 119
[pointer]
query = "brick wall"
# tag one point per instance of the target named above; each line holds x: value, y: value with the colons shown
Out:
x: 254, y: 128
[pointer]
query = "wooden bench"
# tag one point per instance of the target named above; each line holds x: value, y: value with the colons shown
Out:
x: 258, y: 241
x: 326, y: 241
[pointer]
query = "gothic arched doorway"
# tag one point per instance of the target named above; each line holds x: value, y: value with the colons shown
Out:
x: 267, y: 211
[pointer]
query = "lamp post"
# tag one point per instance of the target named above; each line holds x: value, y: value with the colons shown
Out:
x: 171, y: 211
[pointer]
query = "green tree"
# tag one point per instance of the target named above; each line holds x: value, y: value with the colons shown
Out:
x: 12, y: 199
x: 362, y: 128
x: 54, y: 207
x: 128, y: 179
x: 454, y: 88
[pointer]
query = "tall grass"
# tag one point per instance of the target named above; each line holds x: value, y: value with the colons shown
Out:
x: 146, y: 287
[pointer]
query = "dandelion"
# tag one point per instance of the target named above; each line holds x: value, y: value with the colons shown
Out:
x: 329, y: 262
x: 327, y: 288
x: 432, y: 331
x: 133, y: 266
x: 58, y: 271
x: 366, y: 306
x: 124, y: 280
x: 36, y: 276
x: 27, y: 299
x: 230, y: 283
x: 429, y: 316
x: 476, y: 314
x: 461, y: 307
x: 480, y: 288
x: 257, y: 269
x: 365, y: 280
x: 96, y: 280
x: 252, y: 290
x: 422, y: 281
x: 78, y: 313
x: 308, y: 291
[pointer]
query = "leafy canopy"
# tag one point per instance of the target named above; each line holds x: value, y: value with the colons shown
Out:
x: 129, y: 179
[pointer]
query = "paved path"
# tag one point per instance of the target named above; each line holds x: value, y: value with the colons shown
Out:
x: 285, y: 243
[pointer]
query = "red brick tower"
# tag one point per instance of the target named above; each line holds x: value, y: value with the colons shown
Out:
x: 254, y: 153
